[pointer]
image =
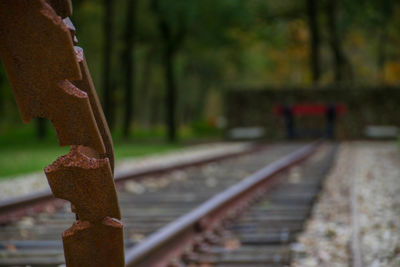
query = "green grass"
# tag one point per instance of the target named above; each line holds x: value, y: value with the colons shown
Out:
x: 21, y: 153
x: 32, y: 158
x: 27, y: 159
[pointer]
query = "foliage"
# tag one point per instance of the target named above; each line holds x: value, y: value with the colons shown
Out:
x: 228, y: 43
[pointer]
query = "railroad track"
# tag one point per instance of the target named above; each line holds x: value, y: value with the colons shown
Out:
x: 200, y: 197
x: 263, y: 234
x: 12, y: 209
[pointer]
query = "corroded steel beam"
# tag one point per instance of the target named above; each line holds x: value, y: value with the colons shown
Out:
x: 50, y: 79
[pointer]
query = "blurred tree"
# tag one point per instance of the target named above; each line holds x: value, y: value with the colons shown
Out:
x: 375, y: 18
x: 214, y: 51
x: 129, y: 63
x: 2, y: 78
x: 312, y: 13
x: 108, y: 92
x: 331, y: 11
x: 172, y: 25
x: 145, y: 90
x: 383, y: 16
x: 183, y: 53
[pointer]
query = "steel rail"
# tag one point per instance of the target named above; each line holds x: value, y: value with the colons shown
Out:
x: 35, y: 200
x: 172, y: 240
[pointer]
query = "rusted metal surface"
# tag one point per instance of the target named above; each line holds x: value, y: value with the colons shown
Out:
x: 40, y: 61
x: 172, y: 240
x: 86, y: 183
x: 50, y: 79
x: 86, y: 85
x: 94, y: 244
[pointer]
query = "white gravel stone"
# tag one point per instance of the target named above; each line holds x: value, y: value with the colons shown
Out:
x: 378, y: 195
x: 373, y: 169
x: 36, y: 182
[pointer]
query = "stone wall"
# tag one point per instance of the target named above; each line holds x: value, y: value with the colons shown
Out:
x: 365, y: 106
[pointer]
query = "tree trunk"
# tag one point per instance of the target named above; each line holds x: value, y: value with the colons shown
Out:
x: 171, y: 92
x: 129, y: 64
x: 381, y: 60
x: 312, y: 12
x: 145, y: 90
x: 108, y: 96
x: 331, y: 11
x: 2, y: 97
x: 342, y: 67
x: 171, y: 44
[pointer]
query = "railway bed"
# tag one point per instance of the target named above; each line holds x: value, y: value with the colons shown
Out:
x: 36, y: 240
x: 262, y: 236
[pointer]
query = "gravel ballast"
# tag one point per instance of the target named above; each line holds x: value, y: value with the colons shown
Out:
x: 356, y: 219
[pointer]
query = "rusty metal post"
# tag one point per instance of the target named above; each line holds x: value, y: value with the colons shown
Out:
x: 50, y: 79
